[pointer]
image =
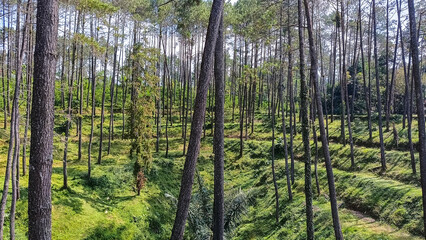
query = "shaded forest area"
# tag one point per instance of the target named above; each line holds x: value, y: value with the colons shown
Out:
x: 213, y: 119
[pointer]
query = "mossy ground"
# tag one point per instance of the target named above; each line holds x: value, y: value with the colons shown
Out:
x: 373, y: 205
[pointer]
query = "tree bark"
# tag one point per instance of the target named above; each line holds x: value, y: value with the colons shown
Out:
x: 101, y: 131
x: 291, y: 92
x: 197, y: 121
x: 92, y: 117
x: 218, y: 140
x: 80, y: 93
x: 69, y: 117
x: 42, y: 115
x: 281, y: 97
x: 419, y: 101
x: 314, y: 78
x: 345, y: 87
x: 304, y: 106
x: 387, y: 93
x: 366, y: 95
x: 28, y: 88
x: 111, y: 93
x: 379, y: 99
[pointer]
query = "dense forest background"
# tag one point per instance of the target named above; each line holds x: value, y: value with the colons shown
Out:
x: 244, y: 119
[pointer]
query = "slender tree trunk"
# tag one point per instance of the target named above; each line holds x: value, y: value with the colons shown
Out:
x: 92, y: 118
x: 101, y: 131
x: 15, y: 184
x: 392, y: 84
x: 111, y: 93
x: 379, y: 99
x: 5, y: 111
x: 9, y: 58
x: 387, y: 93
x: 290, y: 91
x: 354, y: 75
x: 7, y: 175
x: 345, y: 87
x: 366, y: 95
x: 281, y: 98
x: 342, y: 74
x: 304, y: 106
x: 334, y: 72
x: 158, y: 100
x: 80, y: 92
x: 324, y: 92
x: 253, y: 94
x: 197, y: 121
x: 15, y: 123
x: 29, y: 90
x: 370, y: 36
x: 419, y: 101
x: 314, y: 134
x: 242, y: 106
x: 12, y: 136
x: 233, y: 77
x: 69, y: 117
x: 273, y: 156
x: 218, y: 140
x: 313, y: 74
x: 408, y: 95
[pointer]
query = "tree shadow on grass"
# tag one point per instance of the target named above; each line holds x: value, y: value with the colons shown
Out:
x: 107, y: 232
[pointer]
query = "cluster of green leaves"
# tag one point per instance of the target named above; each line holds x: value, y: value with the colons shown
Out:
x: 200, y: 213
x: 96, y: 6
x: 90, y: 42
x: 190, y: 16
x: 144, y: 87
x: 249, y: 75
x: 254, y: 19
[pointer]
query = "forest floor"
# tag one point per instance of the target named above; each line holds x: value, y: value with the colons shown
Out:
x: 372, y: 204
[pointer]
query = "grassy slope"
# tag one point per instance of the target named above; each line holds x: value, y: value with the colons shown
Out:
x: 106, y: 207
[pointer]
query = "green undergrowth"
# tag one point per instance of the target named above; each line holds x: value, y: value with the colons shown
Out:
x: 106, y: 206
x: 361, y: 136
x: 260, y: 222
x: 368, y: 160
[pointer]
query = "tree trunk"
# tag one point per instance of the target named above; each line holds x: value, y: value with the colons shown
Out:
x: 334, y: 72
x: 29, y: 89
x: 392, y: 84
x: 158, y: 99
x: 101, y: 131
x: 273, y: 155
x: 218, y: 139
x: 197, y: 122
x: 42, y: 115
x: 15, y: 125
x: 379, y: 99
x: 290, y: 91
x: 366, y: 95
x: 314, y: 134
x: 408, y: 95
x: 387, y: 93
x: 419, y: 101
x: 80, y: 92
x: 304, y: 106
x: 111, y: 93
x: 92, y: 118
x: 69, y: 117
x: 3, y: 68
x: 345, y: 87
x: 314, y: 78
x: 342, y: 74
